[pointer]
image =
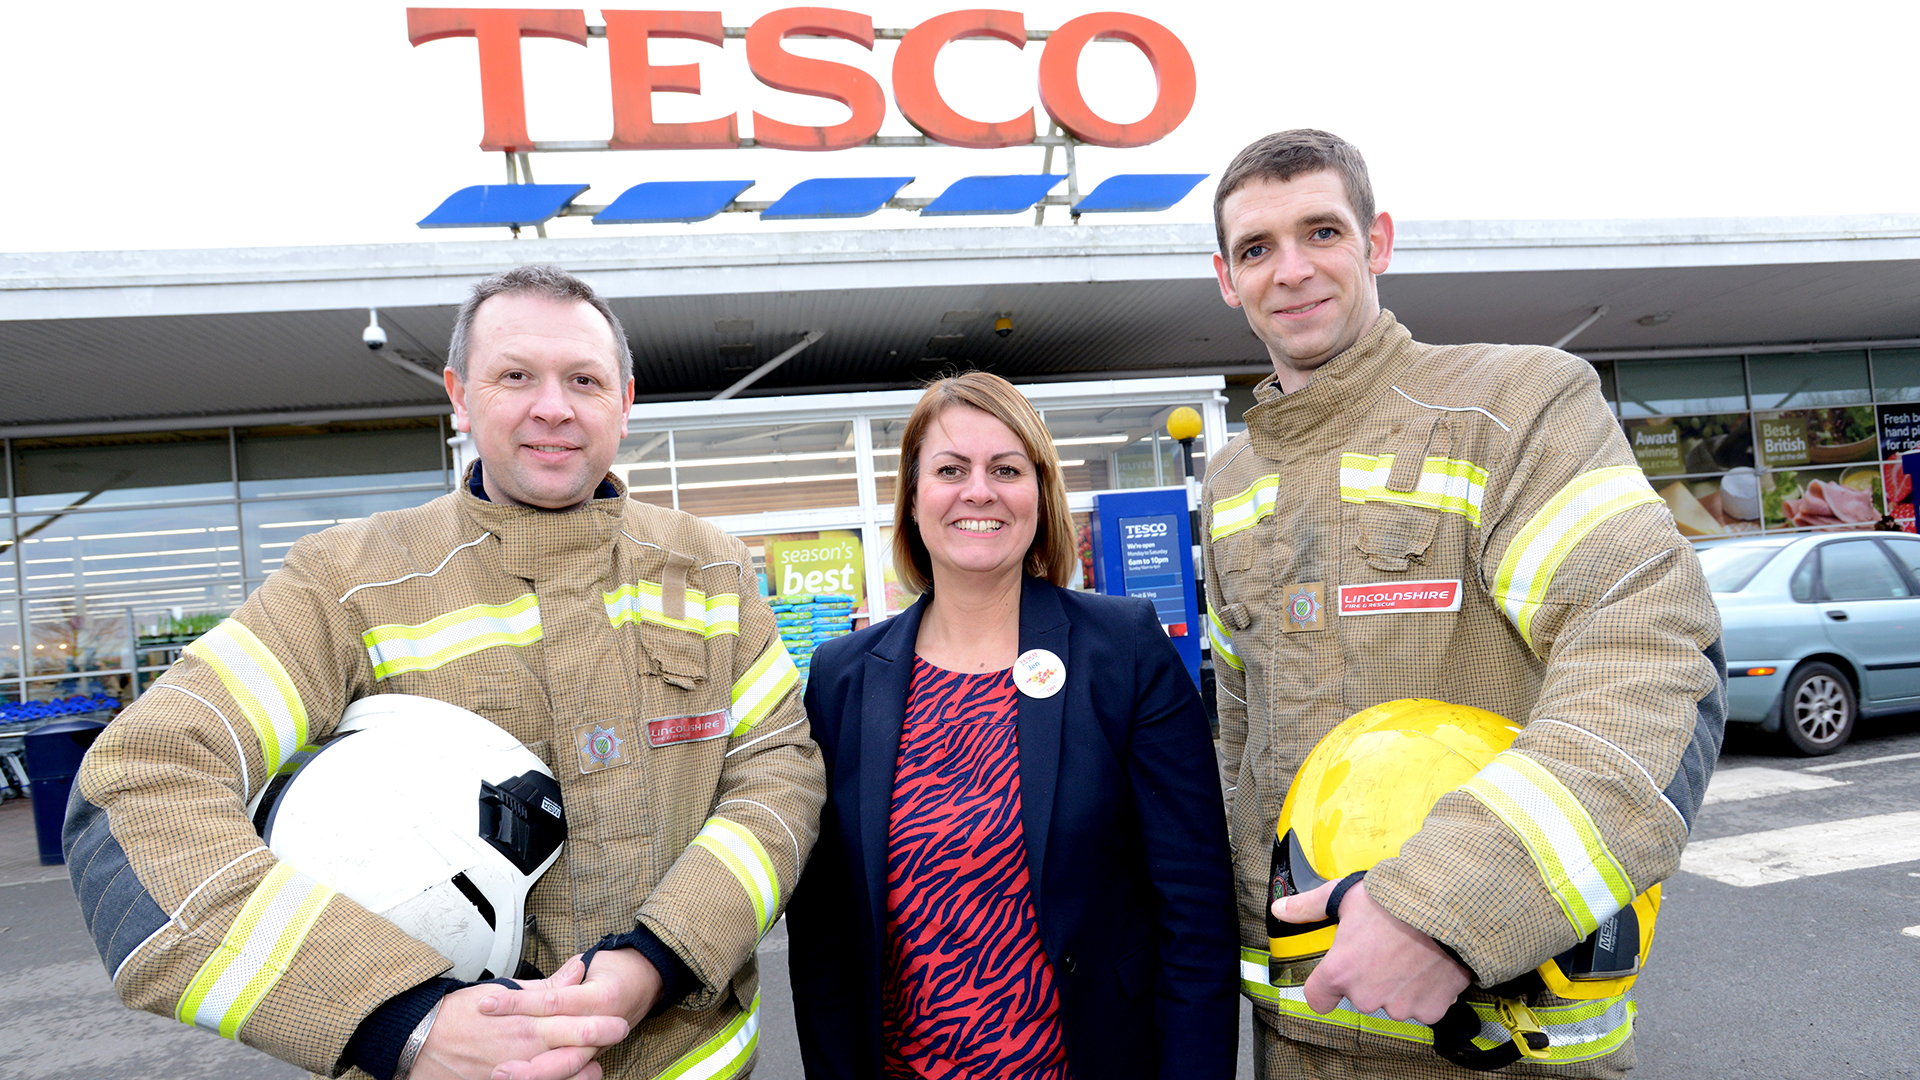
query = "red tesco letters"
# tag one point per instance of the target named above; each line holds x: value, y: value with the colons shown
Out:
x: 635, y: 79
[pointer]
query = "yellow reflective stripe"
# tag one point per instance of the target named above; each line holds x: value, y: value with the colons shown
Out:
x: 763, y: 686
x: 708, y: 616
x: 1446, y: 484
x: 1585, y: 879
x: 739, y: 851
x: 725, y: 1054
x: 1223, y: 644
x: 259, y: 685
x: 1255, y: 977
x: 254, y: 953
x: 395, y: 648
x: 1531, y: 559
x: 1291, y: 1000
x: 1244, y: 511
x: 1578, y: 1032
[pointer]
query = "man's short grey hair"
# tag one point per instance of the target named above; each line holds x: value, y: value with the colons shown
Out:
x: 546, y: 280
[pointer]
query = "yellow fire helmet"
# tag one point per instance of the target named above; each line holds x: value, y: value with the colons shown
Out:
x: 1366, y: 788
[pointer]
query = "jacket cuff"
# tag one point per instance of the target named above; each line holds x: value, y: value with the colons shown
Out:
x: 375, y: 1046
x: 676, y: 979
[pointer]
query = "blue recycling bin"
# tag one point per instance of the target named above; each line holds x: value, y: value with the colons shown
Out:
x: 53, y: 758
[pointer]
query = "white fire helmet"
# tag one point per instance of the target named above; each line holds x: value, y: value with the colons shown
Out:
x: 428, y: 815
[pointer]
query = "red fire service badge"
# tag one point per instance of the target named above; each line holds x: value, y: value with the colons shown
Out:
x: 1383, y: 597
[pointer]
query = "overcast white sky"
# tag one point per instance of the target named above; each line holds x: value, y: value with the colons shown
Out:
x: 237, y: 125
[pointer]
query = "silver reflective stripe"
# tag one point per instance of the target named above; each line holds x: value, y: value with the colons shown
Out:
x: 254, y: 953
x: 724, y: 1055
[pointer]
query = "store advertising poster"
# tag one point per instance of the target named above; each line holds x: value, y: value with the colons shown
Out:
x: 1702, y: 466
x: 1820, y: 468
x: 830, y: 562
x: 1899, y: 433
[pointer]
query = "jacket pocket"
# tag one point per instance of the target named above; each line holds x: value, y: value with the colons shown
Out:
x: 1244, y: 578
x: 1402, y: 495
x: 678, y: 657
x: 1393, y: 538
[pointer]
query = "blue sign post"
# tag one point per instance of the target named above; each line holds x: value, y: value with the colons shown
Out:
x: 1144, y: 548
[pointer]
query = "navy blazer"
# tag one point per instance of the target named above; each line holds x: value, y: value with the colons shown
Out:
x: 1125, y: 837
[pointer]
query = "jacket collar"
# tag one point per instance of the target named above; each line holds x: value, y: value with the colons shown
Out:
x: 1343, y: 386
x: 540, y: 544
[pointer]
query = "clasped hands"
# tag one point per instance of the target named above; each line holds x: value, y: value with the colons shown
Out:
x: 550, y: 1029
x: 1376, y: 961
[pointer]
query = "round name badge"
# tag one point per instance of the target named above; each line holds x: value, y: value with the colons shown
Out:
x: 1039, y: 674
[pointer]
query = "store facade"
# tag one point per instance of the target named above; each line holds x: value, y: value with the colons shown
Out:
x: 1774, y: 441
x: 180, y: 418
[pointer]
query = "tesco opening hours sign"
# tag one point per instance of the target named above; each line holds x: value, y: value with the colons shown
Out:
x: 635, y: 79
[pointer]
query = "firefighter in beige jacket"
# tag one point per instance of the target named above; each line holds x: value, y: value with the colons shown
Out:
x: 545, y: 600
x: 1461, y: 523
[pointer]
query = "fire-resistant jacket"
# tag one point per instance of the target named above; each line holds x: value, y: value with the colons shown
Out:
x: 558, y: 627
x: 1464, y: 523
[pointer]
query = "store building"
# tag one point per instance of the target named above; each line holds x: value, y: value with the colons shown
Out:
x: 175, y: 420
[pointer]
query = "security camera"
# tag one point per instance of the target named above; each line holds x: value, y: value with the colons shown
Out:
x: 373, y: 337
x: 1003, y: 326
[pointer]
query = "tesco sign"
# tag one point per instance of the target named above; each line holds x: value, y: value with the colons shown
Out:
x: 635, y: 79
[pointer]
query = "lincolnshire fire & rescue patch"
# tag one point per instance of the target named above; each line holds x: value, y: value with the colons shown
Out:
x: 1381, y: 598
x: 678, y: 729
x: 599, y: 745
x: 1302, y: 607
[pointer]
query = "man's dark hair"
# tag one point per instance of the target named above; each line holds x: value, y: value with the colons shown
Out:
x: 547, y: 280
x: 1287, y: 154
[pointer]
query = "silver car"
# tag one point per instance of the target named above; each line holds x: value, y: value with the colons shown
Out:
x: 1819, y: 630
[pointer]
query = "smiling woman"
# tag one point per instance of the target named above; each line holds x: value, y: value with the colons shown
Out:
x: 1033, y: 735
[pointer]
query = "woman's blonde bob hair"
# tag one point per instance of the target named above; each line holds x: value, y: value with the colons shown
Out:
x: 1054, y: 551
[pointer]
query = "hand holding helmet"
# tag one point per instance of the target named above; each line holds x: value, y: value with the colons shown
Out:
x: 1376, y: 961
x: 1364, y: 790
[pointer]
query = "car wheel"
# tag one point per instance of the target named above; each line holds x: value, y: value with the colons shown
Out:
x: 1817, y: 710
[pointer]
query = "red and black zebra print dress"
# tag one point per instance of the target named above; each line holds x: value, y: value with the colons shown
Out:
x: 969, y: 994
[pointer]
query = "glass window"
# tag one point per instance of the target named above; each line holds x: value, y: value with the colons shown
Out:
x: 128, y: 552
x: 9, y: 639
x: 1604, y: 368
x: 8, y: 584
x: 1086, y: 577
x: 1807, y: 380
x: 1858, y: 570
x: 344, y: 456
x: 1896, y: 374
x: 750, y: 470
x: 1660, y: 387
x: 1729, y: 568
x: 117, y: 470
x: 72, y: 633
x: 886, y: 461
x: 114, y: 687
x: 166, y: 621
x: 1908, y: 552
x: 898, y: 596
x: 268, y: 529
x: 1125, y: 446
x: 1802, y: 583
x: 642, y: 462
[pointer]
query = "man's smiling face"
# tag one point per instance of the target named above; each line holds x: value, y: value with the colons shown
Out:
x: 1302, y: 267
x: 543, y: 399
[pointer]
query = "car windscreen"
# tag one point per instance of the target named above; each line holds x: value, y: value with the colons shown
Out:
x: 1729, y: 568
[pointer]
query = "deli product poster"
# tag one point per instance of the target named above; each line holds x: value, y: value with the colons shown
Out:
x: 1899, y: 432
